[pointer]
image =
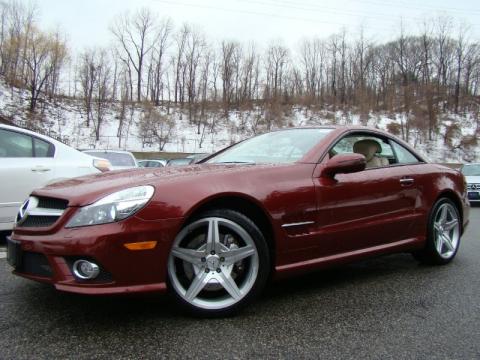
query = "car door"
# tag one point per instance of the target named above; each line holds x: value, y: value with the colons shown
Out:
x: 27, y: 163
x: 365, y: 209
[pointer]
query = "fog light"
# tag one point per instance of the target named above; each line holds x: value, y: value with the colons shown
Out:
x: 85, y: 270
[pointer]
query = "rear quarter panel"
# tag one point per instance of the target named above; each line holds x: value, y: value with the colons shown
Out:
x: 435, y: 181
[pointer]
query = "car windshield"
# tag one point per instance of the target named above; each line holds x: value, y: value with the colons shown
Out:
x: 116, y: 159
x: 279, y: 147
x: 471, y: 170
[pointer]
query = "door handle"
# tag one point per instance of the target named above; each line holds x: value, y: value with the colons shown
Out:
x: 40, y: 169
x: 406, y: 181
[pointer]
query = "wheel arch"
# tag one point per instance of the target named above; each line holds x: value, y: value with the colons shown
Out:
x: 246, y: 206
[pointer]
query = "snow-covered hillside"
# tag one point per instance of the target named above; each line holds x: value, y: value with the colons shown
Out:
x: 66, y: 120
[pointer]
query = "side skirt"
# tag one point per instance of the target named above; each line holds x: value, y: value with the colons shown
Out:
x: 351, y: 256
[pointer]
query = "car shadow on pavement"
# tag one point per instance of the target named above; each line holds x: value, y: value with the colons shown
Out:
x: 357, y: 272
x: 116, y: 310
x: 103, y: 307
x: 361, y: 282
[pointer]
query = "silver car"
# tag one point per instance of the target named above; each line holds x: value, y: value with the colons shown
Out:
x: 472, y: 175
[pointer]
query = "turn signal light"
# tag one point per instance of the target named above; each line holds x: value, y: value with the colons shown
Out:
x: 144, y: 245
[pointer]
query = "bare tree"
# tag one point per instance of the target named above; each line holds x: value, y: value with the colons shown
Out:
x: 95, y: 79
x: 157, y: 61
x: 88, y: 76
x: 101, y: 91
x: 227, y: 71
x: 17, y: 21
x: 40, y: 62
x: 312, y: 59
x: 136, y: 34
x: 460, y: 54
x: 4, y: 25
x: 179, y: 62
x: 156, y: 127
x: 276, y: 61
x: 249, y: 74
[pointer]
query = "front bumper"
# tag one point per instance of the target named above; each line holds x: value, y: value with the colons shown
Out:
x: 48, y: 257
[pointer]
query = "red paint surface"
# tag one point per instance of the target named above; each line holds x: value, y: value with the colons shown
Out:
x: 355, y: 215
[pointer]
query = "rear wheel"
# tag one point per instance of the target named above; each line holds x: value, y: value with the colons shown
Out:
x: 444, y: 231
x: 218, y: 263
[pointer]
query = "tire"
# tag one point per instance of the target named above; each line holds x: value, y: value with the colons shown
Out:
x: 219, y: 262
x: 443, y: 234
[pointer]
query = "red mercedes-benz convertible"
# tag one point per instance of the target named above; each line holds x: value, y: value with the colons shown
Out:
x: 214, y: 233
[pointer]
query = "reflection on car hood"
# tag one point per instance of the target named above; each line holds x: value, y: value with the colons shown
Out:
x: 87, y: 189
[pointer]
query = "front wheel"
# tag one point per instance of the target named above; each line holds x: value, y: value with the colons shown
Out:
x: 218, y: 263
x: 443, y: 237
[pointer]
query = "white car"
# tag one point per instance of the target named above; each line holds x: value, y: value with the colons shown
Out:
x: 29, y: 160
x: 472, y: 175
x: 119, y: 159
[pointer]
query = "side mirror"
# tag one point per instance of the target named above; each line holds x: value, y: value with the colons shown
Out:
x: 344, y: 164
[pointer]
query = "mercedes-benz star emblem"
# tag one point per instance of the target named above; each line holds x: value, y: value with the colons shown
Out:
x: 30, y: 203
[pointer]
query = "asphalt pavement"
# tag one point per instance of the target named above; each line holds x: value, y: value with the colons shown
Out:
x: 384, y: 308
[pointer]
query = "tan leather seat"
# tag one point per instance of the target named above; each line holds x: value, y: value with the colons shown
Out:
x: 370, y: 148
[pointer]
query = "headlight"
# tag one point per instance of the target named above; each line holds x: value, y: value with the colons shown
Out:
x: 114, y: 207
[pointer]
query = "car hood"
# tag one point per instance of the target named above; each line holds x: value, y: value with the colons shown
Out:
x: 85, y: 190
x: 473, y: 179
x: 117, y: 167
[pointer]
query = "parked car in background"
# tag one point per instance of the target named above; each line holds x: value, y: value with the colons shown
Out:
x: 274, y: 205
x: 179, y: 162
x: 29, y: 160
x: 151, y: 163
x: 118, y: 158
x: 472, y: 175
x: 197, y: 157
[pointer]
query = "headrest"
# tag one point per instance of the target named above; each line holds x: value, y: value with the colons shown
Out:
x: 367, y: 148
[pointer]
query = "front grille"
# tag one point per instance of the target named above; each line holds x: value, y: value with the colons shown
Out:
x: 473, y: 187
x: 35, y: 264
x: 40, y: 212
x: 39, y: 221
x: 51, y: 203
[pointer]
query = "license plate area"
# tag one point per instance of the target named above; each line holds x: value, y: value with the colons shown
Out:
x: 14, y: 253
x: 473, y: 195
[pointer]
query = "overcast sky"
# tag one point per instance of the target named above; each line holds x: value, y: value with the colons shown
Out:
x: 87, y: 21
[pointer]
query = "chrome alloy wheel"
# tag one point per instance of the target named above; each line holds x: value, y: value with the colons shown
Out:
x: 213, y: 263
x: 446, y: 230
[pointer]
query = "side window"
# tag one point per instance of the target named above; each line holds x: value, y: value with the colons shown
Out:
x: 377, y: 150
x: 14, y: 144
x: 42, y: 148
x: 403, y: 155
